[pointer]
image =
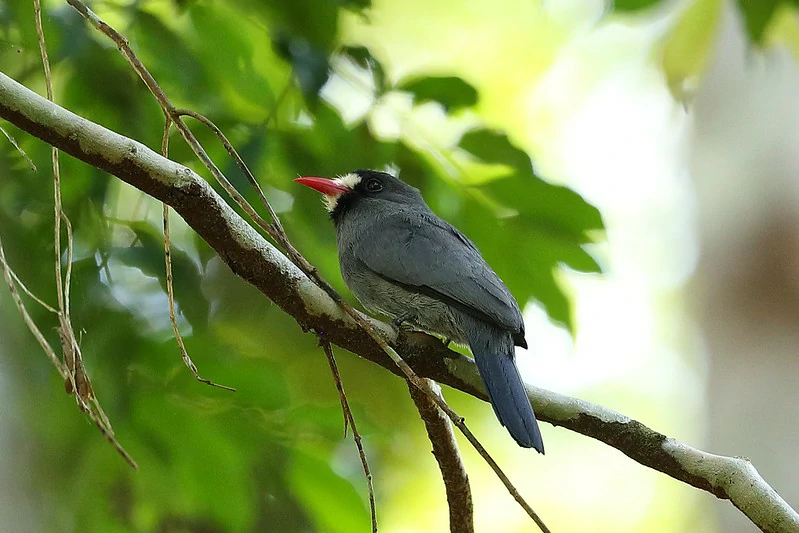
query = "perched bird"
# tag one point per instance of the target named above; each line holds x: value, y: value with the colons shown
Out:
x: 402, y: 260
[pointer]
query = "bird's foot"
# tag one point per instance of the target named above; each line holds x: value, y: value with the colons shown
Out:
x: 400, y: 322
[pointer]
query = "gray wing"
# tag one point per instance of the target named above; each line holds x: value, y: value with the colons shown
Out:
x: 430, y: 256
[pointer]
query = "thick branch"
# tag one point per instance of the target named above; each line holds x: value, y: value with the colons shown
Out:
x: 252, y: 258
x: 448, y: 457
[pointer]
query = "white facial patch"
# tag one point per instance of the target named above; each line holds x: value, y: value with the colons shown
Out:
x: 350, y: 181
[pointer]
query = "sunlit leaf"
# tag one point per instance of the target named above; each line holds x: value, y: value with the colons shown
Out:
x: 784, y: 30
x: 688, y: 47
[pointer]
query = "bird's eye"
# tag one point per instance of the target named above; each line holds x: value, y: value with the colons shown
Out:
x: 374, y: 185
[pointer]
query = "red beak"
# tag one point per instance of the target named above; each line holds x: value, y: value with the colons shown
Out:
x: 323, y: 185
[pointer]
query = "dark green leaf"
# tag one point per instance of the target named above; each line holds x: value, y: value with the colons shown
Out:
x: 551, y: 225
x: 558, y: 209
x: 451, y: 92
x: 757, y: 15
x: 494, y: 147
x: 633, y: 5
x: 309, y: 64
x: 179, y: 71
x: 553, y: 209
x: 361, y: 56
x: 526, y: 254
x: 225, y: 46
x: 354, y: 4
x: 314, y: 22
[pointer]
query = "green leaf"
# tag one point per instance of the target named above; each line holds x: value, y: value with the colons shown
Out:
x: 179, y: 70
x: 555, y: 208
x: 226, y: 47
x: 633, y: 5
x: 527, y: 255
x: 687, y: 49
x: 361, y: 56
x: 494, y: 147
x: 552, y: 209
x: 757, y: 15
x: 332, y: 147
x: 451, y: 92
x: 312, y: 21
x: 354, y: 4
x: 549, y: 227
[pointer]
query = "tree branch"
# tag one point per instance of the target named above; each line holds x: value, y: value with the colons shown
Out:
x: 255, y: 260
x: 448, y: 457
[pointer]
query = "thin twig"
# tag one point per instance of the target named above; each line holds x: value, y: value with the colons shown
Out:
x: 68, y: 275
x: 170, y: 111
x: 279, y: 100
x: 72, y: 369
x: 19, y: 149
x: 37, y: 12
x: 448, y: 457
x: 234, y: 155
x: 276, y: 231
x: 10, y: 276
x: 105, y: 256
x: 349, y: 420
x: 30, y: 294
x: 169, y: 285
x: 77, y: 382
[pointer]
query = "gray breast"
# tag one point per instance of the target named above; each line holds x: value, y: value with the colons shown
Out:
x: 380, y: 295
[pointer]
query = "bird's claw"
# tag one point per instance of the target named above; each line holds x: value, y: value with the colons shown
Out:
x: 400, y: 322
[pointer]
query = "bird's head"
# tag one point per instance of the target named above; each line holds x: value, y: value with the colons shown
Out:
x: 363, y: 187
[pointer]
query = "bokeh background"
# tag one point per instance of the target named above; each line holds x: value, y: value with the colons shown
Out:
x: 678, y: 305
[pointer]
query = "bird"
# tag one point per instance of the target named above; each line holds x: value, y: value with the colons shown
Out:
x: 401, y: 260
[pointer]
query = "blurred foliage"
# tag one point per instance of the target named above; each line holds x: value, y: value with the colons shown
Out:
x: 452, y: 93
x: 687, y: 48
x: 269, y: 457
x: 758, y: 14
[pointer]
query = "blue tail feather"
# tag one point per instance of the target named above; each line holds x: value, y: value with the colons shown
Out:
x: 494, y: 356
